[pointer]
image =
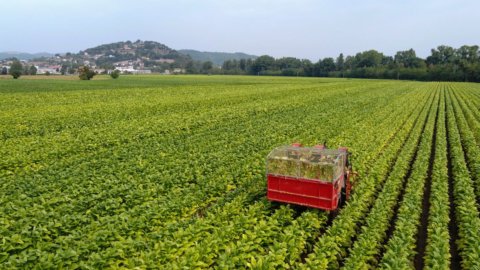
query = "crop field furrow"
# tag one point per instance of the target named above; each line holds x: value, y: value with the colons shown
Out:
x: 465, y: 211
x: 470, y: 102
x: 366, y: 248
x: 400, y: 250
x: 470, y: 149
x: 421, y: 241
x: 452, y: 225
x: 474, y: 98
x: 365, y: 151
x: 437, y: 250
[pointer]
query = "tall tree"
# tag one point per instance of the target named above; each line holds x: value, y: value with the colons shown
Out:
x: 16, y: 69
x: 243, y: 65
x: 85, y: 73
x: 442, y: 55
x: 207, y: 67
x: 262, y: 63
x: 190, y: 67
x: 328, y: 65
x: 370, y: 58
x: 408, y: 59
x: 340, y: 63
x: 32, y: 70
x: 288, y: 62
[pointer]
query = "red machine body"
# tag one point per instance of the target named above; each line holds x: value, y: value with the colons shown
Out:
x: 309, y: 176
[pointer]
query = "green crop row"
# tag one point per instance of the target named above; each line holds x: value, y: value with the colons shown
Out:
x: 437, y: 251
x: 400, y: 249
x: 471, y: 100
x: 364, y: 252
x: 331, y: 247
x: 465, y: 122
x: 466, y: 212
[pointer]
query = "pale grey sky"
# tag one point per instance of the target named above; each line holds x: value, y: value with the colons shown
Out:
x: 302, y: 28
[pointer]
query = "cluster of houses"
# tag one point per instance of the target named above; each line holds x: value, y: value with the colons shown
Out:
x: 138, y: 67
x: 125, y: 67
x: 42, y: 68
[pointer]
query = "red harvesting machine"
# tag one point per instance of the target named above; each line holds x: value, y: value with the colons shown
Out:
x: 310, y: 176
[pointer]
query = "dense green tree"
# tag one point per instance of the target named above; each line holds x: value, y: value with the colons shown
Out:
x: 469, y: 54
x: 349, y: 62
x: 242, y: 64
x: 207, y: 67
x: 64, y: 69
x: 408, y: 59
x: 263, y: 63
x: 16, y: 69
x: 323, y: 67
x: 33, y: 70
x: 328, y: 64
x: 370, y: 58
x: 26, y: 70
x: 288, y: 62
x: 85, y: 73
x: 115, y: 74
x: 308, y: 68
x: 230, y: 65
x: 387, y: 61
x: 190, y: 67
x: 442, y: 55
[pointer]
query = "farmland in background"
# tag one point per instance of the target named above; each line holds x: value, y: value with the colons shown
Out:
x: 169, y: 172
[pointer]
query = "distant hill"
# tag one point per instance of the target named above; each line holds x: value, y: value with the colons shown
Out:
x: 217, y: 58
x: 23, y: 55
x: 149, y: 52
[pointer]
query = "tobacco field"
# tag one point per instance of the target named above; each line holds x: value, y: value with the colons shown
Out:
x: 168, y: 172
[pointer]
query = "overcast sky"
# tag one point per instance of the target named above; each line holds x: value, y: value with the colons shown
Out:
x: 310, y: 29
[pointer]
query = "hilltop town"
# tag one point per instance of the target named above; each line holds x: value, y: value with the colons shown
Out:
x: 139, y: 57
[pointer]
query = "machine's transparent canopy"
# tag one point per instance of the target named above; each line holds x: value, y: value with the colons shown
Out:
x: 306, y: 162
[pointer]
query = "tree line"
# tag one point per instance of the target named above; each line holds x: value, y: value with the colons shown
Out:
x: 445, y: 63
x: 17, y: 69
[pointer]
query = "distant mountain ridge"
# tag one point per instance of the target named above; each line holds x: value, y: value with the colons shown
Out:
x: 217, y: 58
x: 23, y: 55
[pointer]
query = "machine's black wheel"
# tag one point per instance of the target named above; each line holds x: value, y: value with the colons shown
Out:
x: 343, y: 197
x: 335, y: 212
